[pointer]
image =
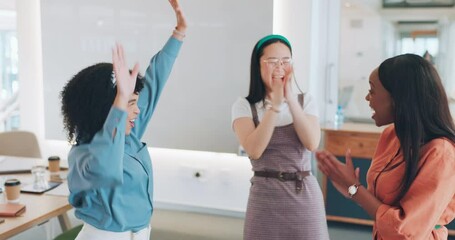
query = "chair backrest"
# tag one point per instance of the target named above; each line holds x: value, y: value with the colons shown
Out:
x: 19, y: 144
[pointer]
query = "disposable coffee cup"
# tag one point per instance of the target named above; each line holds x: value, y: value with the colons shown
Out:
x: 13, y: 190
x: 54, y: 165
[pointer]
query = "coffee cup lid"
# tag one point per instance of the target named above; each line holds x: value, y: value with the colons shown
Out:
x: 12, y: 182
x: 53, y: 158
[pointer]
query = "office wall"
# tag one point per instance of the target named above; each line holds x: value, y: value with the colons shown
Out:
x: 217, y: 51
x: 361, y: 50
x: 30, y: 73
x: 210, y: 73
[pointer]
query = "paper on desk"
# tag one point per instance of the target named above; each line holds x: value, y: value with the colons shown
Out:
x: 61, y: 190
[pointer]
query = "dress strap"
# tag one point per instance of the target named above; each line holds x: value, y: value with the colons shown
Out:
x: 254, y: 112
x: 301, y: 99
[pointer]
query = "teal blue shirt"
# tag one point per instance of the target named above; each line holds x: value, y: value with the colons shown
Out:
x: 111, y: 179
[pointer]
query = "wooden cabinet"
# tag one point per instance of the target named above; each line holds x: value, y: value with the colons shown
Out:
x: 362, y: 140
x: 361, y: 144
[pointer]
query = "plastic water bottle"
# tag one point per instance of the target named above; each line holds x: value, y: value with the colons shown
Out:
x: 339, y: 117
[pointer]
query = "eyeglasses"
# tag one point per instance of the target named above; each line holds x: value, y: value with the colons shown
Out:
x: 275, y: 62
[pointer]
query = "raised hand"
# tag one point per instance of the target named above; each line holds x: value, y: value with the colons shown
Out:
x: 276, y: 93
x: 181, y: 20
x: 287, y: 83
x: 125, y: 80
x: 342, y: 175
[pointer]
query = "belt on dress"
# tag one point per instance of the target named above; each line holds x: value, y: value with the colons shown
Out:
x: 285, y: 176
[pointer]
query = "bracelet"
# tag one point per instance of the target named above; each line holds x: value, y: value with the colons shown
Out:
x: 177, y: 32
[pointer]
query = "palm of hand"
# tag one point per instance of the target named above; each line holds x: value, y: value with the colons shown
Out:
x: 341, y: 174
x: 181, y: 20
x: 126, y: 81
x: 287, y: 85
x: 277, y: 93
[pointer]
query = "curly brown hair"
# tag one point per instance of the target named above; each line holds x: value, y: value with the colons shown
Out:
x: 87, y: 99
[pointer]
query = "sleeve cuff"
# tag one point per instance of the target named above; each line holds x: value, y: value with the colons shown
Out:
x: 116, y: 119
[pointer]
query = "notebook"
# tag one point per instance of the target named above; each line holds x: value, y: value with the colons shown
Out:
x: 11, y: 209
x: 10, y: 164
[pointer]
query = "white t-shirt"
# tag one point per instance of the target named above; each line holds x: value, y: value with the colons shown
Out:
x: 241, y: 108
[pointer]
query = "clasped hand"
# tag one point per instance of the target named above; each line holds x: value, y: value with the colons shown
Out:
x: 280, y: 88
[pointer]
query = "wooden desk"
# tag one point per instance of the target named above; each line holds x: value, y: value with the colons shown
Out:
x: 39, y: 209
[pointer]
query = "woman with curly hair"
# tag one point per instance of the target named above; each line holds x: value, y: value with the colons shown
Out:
x: 106, y: 108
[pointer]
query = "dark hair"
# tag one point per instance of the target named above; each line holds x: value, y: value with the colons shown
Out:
x: 87, y: 99
x: 257, y: 87
x: 421, y: 108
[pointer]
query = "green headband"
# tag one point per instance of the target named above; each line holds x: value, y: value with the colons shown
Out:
x: 272, y: 36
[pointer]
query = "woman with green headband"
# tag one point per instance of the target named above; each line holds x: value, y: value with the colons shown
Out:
x: 278, y: 129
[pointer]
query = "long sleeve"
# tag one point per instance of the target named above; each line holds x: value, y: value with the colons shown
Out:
x: 100, y: 162
x: 430, y: 200
x: 156, y: 76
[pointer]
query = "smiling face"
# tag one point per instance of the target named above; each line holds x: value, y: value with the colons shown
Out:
x: 133, y: 112
x: 380, y: 101
x: 276, y: 61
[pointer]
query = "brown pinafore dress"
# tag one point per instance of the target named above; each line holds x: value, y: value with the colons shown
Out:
x: 276, y: 210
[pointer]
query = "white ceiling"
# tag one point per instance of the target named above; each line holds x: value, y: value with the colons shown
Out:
x: 403, y: 14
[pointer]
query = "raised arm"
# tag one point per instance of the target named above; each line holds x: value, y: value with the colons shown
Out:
x: 255, y: 140
x: 306, y: 125
x: 158, y: 71
x: 100, y: 162
x: 344, y: 175
x: 180, y: 29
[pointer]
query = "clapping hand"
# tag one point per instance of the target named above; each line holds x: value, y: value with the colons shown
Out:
x: 287, y: 83
x: 342, y: 175
x: 276, y: 84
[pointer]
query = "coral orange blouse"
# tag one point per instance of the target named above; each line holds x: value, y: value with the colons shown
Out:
x: 430, y: 200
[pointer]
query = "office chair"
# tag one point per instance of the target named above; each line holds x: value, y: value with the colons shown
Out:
x: 19, y: 144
